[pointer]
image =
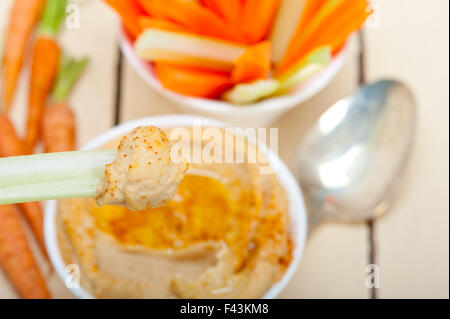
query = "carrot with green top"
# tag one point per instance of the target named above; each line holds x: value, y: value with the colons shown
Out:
x: 23, y: 17
x: 16, y: 257
x: 59, y: 131
x: 45, y: 62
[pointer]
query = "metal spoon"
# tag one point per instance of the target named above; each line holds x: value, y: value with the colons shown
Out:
x: 351, y: 163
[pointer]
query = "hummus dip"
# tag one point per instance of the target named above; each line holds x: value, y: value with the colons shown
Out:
x: 142, y: 175
x: 224, y: 234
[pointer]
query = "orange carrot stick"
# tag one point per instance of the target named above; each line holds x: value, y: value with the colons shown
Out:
x: 341, y: 27
x: 337, y: 43
x: 16, y: 258
x: 44, y: 67
x: 23, y: 17
x: 46, y: 55
x: 153, y: 10
x: 149, y: 23
x: 192, y: 82
x: 11, y: 145
x: 257, y: 18
x: 309, y: 11
x: 212, y: 4
x: 330, y: 10
x: 253, y: 65
x: 34, y: 215
x: 129, y: 11
x: 59, y: 121
x: 197, y: 18
x: 59, y: 130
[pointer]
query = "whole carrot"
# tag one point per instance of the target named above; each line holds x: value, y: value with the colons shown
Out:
x: 46, y: 56
x: 16, y: 258
x: 58, y: 129
x: 23, y: 17
x: 11, y: 145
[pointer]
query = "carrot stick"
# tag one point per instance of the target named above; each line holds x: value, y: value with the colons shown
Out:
x: 342, y: 26
x: 309, y: 11
x: 23, y: 17
x: 339, y: 41
x: 253, y: 65
x: 192, y: 82
x: 44, y: 67
x: 153, y: 10
x: 339, y: 26
x: 129, y: 11
x: 212, y: 4
x: 298, y: 47
x: 58, y: 128
x: 197, y: 18
x: 16, y: 258
x: 257, y: 18
x: 149, y: 23
x: 11, y: 145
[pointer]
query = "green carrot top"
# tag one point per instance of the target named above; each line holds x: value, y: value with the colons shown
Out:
x: 69, y: 71
x: 52, y: 17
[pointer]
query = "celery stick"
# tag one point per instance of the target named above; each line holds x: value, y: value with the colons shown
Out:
x: 187, y: 49
x: 52, y: 176
x: 286, y: 22
x: 304, y: 69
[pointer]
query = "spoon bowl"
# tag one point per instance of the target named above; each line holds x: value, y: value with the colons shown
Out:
x: 353, y: 160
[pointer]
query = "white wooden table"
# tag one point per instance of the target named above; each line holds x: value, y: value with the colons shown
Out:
x: 408, y: 41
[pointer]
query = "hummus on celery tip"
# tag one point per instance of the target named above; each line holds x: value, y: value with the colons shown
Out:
x: 142, y: 175
x: 224, y: 234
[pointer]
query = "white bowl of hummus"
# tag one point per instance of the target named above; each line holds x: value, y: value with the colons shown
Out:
x: 230, y: 231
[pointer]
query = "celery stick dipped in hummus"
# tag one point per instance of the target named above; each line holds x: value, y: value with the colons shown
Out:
x: 143, y: 175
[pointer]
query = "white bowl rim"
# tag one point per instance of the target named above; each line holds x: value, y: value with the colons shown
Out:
x: 287, y: 101
x: 297, y: 210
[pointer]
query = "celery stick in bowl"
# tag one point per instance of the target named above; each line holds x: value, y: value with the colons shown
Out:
x: 259, y: 114
x: 140, y: 174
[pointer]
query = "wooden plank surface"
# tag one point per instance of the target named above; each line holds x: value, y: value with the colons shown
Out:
x: 410, y: 43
